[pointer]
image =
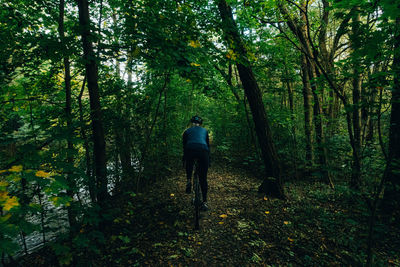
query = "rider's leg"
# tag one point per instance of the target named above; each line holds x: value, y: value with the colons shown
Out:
x: 203, y: 174
x: 189, y: 170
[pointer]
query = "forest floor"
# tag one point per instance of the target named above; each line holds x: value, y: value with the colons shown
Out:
x: 316, y: 226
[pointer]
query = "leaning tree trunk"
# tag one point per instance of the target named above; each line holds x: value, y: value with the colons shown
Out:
x: 99, y: 147
x: 272, y: 185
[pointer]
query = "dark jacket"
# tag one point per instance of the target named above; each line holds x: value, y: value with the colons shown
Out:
x: 196, y: 138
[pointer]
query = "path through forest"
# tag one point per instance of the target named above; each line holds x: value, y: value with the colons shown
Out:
x: 316, y: 226
x: 241, y: 228
x: 237, y: 229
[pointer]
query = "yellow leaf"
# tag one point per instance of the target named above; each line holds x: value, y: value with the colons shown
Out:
x: 17, y: 168
x: 221, y: 223
x: 256, y: 232
x: 188, y: 80
x: 172, y: 195
x: 198, y: 243
x: 291, y: 240
x: 223, y: 216
x: 194, y: 64
x: 231, y: 55
x: 11, y: 202
x: 194, y: 44
x: 42, y: 174
x: 265, y: 198
x: 286, y: 222
x: 2, y: 171
x: 267, y: 212
x: 3, y: 184
x: 54, y: 200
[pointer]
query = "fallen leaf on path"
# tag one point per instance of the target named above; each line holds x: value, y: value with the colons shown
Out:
x: 173, y: 256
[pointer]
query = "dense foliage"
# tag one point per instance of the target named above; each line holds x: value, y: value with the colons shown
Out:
x: 325, y: 70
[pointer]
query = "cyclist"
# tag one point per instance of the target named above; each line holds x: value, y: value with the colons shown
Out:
x: 196, y: 145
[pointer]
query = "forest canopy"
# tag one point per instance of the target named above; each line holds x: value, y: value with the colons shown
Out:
x: 95, y: 96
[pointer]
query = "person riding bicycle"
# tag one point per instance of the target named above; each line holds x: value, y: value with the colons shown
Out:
x: 196, y: 145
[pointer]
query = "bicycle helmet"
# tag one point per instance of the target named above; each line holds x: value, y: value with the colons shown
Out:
x: 196, y: 119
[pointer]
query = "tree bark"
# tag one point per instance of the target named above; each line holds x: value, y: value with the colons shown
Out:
x: 91, y: 179
x: 317, y: 109
x: 272, y: 185
x: 71, y: 209
x: 121, y: 133
x: 311, y: 53
x: 357, y: 80
x: 290, y: 91
x: 307, y: 103
x: 391, y: 199
x: 99, y: 147
x: 320, y: 138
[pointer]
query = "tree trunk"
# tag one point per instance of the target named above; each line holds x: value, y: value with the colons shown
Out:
x: 91, y: 179
x: 303, y: 34
x: 322, y: 155
x: 313, y: 75
x: 99, y: 147
x: 290, y: 90
x: 123, y: 148
x: 308, y: 126
x: 71, y: 209
x: 309, y: 50
x: 391, y: 199
x: 272, y: 185
x: 357, y: 80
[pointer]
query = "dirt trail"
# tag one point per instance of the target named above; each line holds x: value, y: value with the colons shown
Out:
x: 236, y: 231
x: 317, y: 226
